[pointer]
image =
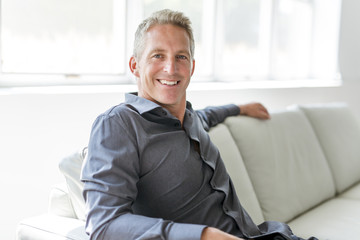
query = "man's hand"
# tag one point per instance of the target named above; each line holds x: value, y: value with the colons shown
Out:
x: 256, y: 110
x: 210, y: 233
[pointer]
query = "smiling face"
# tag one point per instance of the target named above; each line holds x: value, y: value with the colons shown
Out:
x: 165, y: 67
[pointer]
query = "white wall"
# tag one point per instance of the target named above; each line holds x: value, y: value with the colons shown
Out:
x: 37, y: 130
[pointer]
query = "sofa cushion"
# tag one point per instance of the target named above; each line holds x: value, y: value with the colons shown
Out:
x: 338, y: 131
x: 234, y: 164
x: 70, y: 166
x: 284, y: 161
x: 48, y: 226
x: 352, y: 193
x: 336, y: 219
x: 60, y: 202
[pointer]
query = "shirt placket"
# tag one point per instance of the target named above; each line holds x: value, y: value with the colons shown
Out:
x: 211, y: 164
x: 222, y: 185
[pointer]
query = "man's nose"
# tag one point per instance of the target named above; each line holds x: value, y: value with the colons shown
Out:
x: 170, y: 66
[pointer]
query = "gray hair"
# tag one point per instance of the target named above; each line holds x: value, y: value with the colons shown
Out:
x: 162, y: 17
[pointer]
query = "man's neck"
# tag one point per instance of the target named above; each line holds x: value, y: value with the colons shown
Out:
x: 177, y: 111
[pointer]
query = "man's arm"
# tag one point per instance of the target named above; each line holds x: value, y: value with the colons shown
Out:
x: 256, y: 110
x: 110, y: 175
x: 210, y: 233
x: 211, y: 116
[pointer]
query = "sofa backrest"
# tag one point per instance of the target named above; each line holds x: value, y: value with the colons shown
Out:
x: 338, y: 131
x: 234, y: 164
x: 285, y: 163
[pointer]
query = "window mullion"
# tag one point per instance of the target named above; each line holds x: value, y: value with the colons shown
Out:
x: 272, y: 39
x: 218, y: 36
x: 134, y: 15
x: 209, y: 29
x: 265, y: 37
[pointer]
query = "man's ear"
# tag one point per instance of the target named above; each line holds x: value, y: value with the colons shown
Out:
x: 134, y: 66
x: 193, y: 67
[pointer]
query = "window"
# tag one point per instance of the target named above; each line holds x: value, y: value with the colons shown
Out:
x: 277, y: 40
x: 239, y: 50
x: 60, y: 42
x: 292, y: 42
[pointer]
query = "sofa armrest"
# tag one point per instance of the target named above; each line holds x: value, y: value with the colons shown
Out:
x: 51, y: 227
x: 60, y: 202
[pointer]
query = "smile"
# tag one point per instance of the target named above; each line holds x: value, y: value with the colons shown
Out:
x: 168, y: 83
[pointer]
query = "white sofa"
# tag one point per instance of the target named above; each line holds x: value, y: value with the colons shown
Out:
x: 301, y: 167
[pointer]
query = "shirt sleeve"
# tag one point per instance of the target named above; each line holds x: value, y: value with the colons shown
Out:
x: 211, y: 116
x: 110, y: 175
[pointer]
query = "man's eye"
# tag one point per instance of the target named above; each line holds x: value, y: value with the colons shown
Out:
x: 157, y: 56
x: 182, y: 57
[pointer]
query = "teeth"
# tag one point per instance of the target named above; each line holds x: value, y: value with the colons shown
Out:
x: 170, y: 83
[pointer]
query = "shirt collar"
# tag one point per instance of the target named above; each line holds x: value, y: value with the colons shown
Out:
x: 143, y: 105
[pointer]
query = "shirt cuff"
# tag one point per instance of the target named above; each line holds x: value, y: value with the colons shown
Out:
x: 184, y: 231
x: 232, y: 109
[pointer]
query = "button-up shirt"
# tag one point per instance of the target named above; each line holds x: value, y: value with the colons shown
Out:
x: 148, y: 177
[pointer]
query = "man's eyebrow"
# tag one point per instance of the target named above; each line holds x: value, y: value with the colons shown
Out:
x: 159, y: 50
x: 184, y: 52
x: 156, y: 50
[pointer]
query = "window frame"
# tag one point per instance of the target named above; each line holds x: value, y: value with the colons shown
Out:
x: 212, y: 9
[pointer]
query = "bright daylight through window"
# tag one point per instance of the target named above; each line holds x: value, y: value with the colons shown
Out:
x: 56, y: 42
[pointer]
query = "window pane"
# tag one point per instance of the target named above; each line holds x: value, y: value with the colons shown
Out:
x: 292, y: 41
x: 326, y: 39
x: 57, y: 36
x: 240, y: 45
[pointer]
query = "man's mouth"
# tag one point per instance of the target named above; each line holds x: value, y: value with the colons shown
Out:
x: 168, y: 83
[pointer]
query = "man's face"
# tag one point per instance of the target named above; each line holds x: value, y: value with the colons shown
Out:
x: 165, y: 66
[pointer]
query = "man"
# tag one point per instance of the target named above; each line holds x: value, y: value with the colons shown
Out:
x: 152, y: 171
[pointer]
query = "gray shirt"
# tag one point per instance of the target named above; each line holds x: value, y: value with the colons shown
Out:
x: 148, y: 177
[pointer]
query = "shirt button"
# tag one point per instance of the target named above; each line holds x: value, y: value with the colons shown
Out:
x: 177, y: 124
